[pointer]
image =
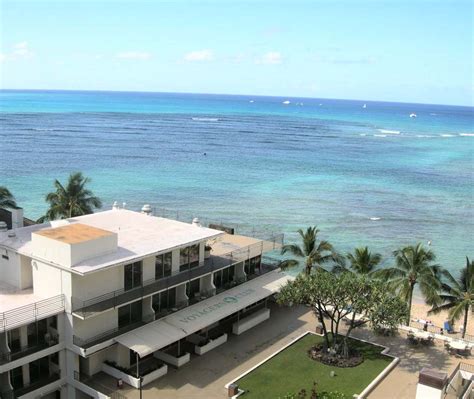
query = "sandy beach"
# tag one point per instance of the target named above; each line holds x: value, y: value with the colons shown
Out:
x: 419, y: 310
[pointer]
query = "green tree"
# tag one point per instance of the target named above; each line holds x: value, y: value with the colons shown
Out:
x: 314, y: 252
x: 413, y: 266
x: 71, y: 200
x: 362, y: 261
x: 343, y: 296
x: 7, y: 200
x: 457, y: 295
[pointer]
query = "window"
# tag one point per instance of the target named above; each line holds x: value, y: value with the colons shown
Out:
x: 14, y: 340
x: 129, y: 314
x: 192, y: 288
x: 16, y: 378
x: 39, y: 369
x: 224, y: 277
x: 36, y: 332
x: 164, y: 300
x: 189, y: 257
x: 163, y: 264
x: 133, y: 275
x: 252, y: 264
x: 54, y: 358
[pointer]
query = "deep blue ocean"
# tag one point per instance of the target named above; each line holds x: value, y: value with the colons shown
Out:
x: 365, y: 175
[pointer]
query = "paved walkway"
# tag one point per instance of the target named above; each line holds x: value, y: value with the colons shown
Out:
x: 205, y: 376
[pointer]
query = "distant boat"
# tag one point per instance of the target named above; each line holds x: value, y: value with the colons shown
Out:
x: 364, y: 106
x: 412, y: 115
x: 285, y: 102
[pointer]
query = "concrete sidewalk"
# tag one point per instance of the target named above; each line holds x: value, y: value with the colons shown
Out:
x: 204, y: 377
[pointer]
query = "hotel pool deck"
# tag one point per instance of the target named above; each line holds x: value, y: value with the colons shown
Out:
x: 205, y: 376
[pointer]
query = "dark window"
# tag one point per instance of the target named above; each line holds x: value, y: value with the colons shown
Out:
x: 252, y: 264
x: 39, y: 369
x: 53, y: 322
x: 224, y: 277
x: 163, y: 265
x: 5, y: 257
x: 129, y: 314
x: 54, y: 358
x: 14, y: 340
x: 132, y: 275
x: 189, y: 257
x: 16, y: 378
x: 164, y: 300
x: 192, y: 288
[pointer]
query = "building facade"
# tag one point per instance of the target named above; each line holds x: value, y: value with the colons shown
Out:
x: 122, y: 293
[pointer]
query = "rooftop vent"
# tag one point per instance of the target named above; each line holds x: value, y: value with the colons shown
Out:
x: 11, y: 233
x: 115, y: 206
x: 196, y: 222
x: 146, y: 209
x: 3, y: 226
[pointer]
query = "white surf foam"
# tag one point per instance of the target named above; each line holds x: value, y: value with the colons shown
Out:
x: 205, y: 119
x: 380, y: 135
x: 386, y: 131
x: 447, y: 135
x: 466, y: 134
x: 375, y: 218
x: 362, y: 134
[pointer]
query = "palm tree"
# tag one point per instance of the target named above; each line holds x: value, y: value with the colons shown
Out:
x: 7, y: 200
x: 413, y: 267
x: 72, y: 200
x: 362, y: 261
x: 314, y: 252
x: 457, y: 295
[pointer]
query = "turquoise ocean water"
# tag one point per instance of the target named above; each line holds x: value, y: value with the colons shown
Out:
x: 365, y: 175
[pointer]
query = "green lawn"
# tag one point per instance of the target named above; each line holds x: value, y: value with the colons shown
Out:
x: 292, y: 369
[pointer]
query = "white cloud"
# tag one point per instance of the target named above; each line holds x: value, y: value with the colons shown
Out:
x: 134, y: 55
x: 270, y: 58
x: 199, y: 56
x: 19, y: 51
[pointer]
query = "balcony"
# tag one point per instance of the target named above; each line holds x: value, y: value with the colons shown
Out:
x: 90, y: 307
x: 268, y: 266
x: 32, y: 312
x: 19, y: 392
x: 28, y: 350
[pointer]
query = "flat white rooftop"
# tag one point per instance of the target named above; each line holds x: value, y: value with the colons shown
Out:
x: 139, y: 235
x: 12, y: 297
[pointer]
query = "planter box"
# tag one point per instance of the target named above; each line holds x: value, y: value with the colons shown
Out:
x: 250, y: 321
x: 154, y: 375
x: 213, y: 343
x: 170, y: 359
x: 130, y: 380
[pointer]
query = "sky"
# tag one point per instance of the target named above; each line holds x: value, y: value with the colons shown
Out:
x: 407, y: 51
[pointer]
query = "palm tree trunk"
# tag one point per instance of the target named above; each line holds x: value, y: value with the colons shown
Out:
x: 410, y: 298
x: 466, y: 311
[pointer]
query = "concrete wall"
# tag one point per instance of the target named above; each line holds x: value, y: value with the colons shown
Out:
x: 103, y: 322
x: 65, y: 254
x: 47, y: 280
x: 149, y: 268
x: 96, y: 284
x: 26, y: 279
x: 10, y: 269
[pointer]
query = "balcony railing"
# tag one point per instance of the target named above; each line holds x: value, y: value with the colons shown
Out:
x: 97, y: 386
x: 89, y: 307
x: 28, y: 350
x: 26, y: 314
x: 17, y: 393
x: 269, y: 265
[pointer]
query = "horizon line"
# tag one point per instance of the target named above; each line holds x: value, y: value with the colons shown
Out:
x: 236, y: 95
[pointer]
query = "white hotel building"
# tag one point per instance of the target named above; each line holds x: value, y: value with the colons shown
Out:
x: 122, y: 293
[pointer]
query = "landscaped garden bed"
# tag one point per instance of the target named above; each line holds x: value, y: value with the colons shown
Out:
x: 293, y: 370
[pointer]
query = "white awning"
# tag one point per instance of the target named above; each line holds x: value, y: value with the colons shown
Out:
x: 163, y: 332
